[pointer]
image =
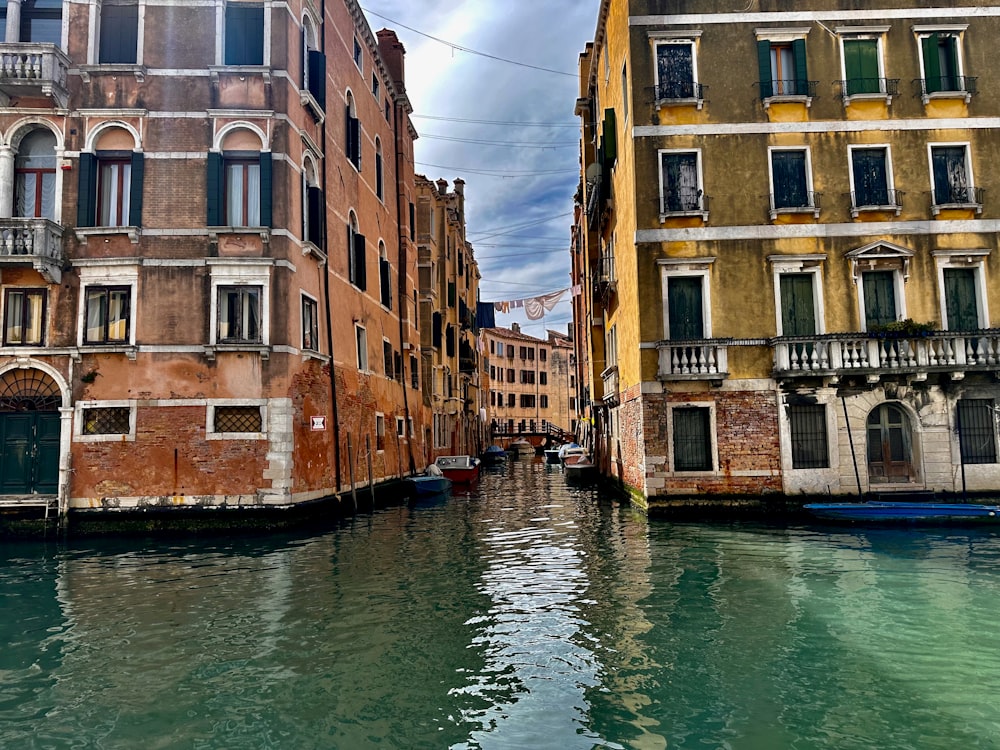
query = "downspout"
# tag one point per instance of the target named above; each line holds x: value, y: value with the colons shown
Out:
x: 335, y: 413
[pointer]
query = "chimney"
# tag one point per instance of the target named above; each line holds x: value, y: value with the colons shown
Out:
x: 392, y: 52
x: 515, y: 327
x: 442, y: 186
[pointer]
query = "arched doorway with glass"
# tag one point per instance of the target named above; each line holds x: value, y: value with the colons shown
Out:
x: 29, y: 433
x: 890, y: 445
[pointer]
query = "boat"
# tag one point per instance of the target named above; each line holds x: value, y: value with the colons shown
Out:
x: 577, y: 464
x: 522, y: 447
x: 493, y: 455
x: 429, y: 486
x: 905, y: 511
x: 459, y: 469
x: 551, y: 455
x: 566, y: 448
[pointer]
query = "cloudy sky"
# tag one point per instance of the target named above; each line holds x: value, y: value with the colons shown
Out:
x: 520, y: 159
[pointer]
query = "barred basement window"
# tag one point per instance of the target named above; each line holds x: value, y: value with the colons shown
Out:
x: 976, y: 432
x: 238, y: 419
x: 692, y: 439
x: 106, y: 421
x: 809, y: 439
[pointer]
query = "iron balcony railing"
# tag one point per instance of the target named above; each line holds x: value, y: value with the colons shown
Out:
x: 869, y: 86
x: 957, y: 197
x: 944, y: 85
x: 684, y: 202
x: 875, y: 354
x: 604, y: 270
x: 794, y: 88
x: 874, y: 200
x: 795, y: 202
x: 674, y: 90
x: 696, y: 359
x: 30, y: 69
x: 609, y: 380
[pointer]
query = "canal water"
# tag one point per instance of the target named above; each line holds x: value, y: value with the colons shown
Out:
x: 528, y: 615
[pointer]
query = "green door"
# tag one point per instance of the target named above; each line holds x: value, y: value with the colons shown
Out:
x: 960, y: 299
x: 880, y: 298
x: 684, y: 308
x: 798, y: 313
x: 861, y: 66
x: 29, y: 453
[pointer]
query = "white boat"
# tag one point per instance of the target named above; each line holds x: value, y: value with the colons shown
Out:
x: 579, y: 466
x: 522, y: 447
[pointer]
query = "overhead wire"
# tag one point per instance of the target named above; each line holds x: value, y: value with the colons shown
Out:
x: 521, y: 123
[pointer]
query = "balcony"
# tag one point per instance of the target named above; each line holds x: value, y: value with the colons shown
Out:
x: 876, y: 200
x: 701, y: 359
x: 679, y: 93
x: 946, y: 87
x: 34, y: 242
x: 871, y: 355
x: 33, y: 70
x: 603, y: 273
x: 795, y: 203
x: 680, y: 203
x: 957, y: 198
x: 778, y: 91
x: 868, y: 89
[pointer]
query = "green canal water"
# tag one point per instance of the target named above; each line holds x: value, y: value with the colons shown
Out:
x: 527, y: 615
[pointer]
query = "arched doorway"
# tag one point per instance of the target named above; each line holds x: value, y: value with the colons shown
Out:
x: 890, y: 445
x: 29, y: 433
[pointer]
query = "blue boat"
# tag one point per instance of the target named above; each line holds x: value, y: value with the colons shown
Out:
x: 428, y: 486
x: 906, y: 512
x: 493, y: 455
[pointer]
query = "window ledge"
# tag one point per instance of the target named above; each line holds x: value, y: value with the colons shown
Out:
x: 311, y: 248
x: 683, y: 214
x: 939, y: 207
x: 264, y: 71
x: 787, y: 99
x: 965, y: 96
x: 129, y: 350
x: 263, y: 232
x: 814, y: 210
x: 235, y: 436
x: 308, y: 354
x: 309, y: 101
x: 113, y: 69
x: 872, y: 97
x: 696, y: 102
x: 856, y: 210
x: 240, y: 347
x: 83, y: 233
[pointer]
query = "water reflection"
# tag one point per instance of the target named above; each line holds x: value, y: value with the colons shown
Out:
x: 527, y: 614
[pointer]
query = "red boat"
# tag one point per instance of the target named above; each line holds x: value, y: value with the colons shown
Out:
x: 459, y: 469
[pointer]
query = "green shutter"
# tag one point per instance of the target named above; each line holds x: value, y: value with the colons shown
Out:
x: 801, y: 72
x: 265, y: 188
x: 798, y: 313
x: 317, y: 215
x: 317, y: 77
x: 135, y: 190
x: 764, y: 68
x: 610, y: 136
x: 960, y: 299
x: 86, y: 205
x: 360, y: 270
x: 213, y: 189
x: 932, y: 65
x: 861, y: 66
x: 684, y: 308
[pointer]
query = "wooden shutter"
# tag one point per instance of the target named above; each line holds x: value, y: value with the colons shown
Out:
x: 880, y: 298
x: 213, y: 189
x: 764, y: 68
x: 798, y: 312
x: 316, y: 209
x: 135, y: 190
x: 610, y: 137
x: 385, y: 284
x: 86, y: 206
x: 317, y: 77
x: 244, y: 34
x: 684, y: 308
x: 932, y: 65
x: 960, y: 299
x: 266, y: 182
x: 360, y: 271
x: 801, y: 72
x: 119, y: 34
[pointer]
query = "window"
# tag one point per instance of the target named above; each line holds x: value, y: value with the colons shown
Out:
x: 357, y: 53
x: 692, y: 439
x: 239, y: 315
x: 114, y: 180
x: 798, y: 305
x: 871, y: 178
x: 527, y: 377
x: 119, y: 34
x: 941, y: 63
x: 41, y: 21
x: 400, y: 427
x: 625, y: 93
x: 361, y: 341
x: 356, y: 263
x: 499, y: 348
x: 110, y: 188
x: 680, y: 182
x: 879, y: 290
x: 387, y: 358
x: 388, y: 118
x: 527, y: 401
x: 379, y: 433
x: 543, y: 401
x: 242, y: 195
x: 791, y: 184
x: 510, y: 375
x: 239, y: 189
x: 807, y: 423
x: 414, y: 373
x: 685, y: 308
x: 862, y: 57
x: 379, y: 176
x: 543, y: 354
x: 313, y: 206
x: 106, y: 314
x: 975, y: 424
x: 782, y: 67
x: 511, y: 400
x: 106, y: 421
x: 961, y: 298
x: 676, y: 72
x: 35, y: 176
x: 543, y: 378
x: 239, y: 419
x: 24, y: 317
x: 384, y: 276
x: 244, y: 34
x: 352, y: 138
x: 375, y: 85
x: 310, y: 325
x: 951, y: 176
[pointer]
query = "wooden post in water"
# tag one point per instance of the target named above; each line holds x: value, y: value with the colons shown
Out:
x: 371, y: 474
x: 399, y: 453
x: 350, y: 468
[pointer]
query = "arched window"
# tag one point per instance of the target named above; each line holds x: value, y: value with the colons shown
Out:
x: 356, y: 268
x: 111, y: 181
x: 353, y: 133
x: 313, y: 205
x: 379, y: 187
x: 384, y: 276
x: 239, y: 182
x: 313, y: 64
x: 35, y: 176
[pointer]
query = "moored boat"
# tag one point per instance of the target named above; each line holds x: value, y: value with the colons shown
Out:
x: 577, y: 464
x: 459, y: 469
x: 493, y: 455
x: 551, y: 455
x: 428, y: 486
x: 900, y: 512
x: 522, y: 447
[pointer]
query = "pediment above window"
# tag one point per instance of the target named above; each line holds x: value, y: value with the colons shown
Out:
x: 880, y: 255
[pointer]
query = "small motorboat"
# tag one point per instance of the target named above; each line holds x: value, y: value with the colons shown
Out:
x: 577, y: 464
x: 522, y: 447
x: 430, y: 486
x: 905, y: 512
x: 551, y: 455
x: 459, y: 469
x: 493, y: 455
x: 566, y: 448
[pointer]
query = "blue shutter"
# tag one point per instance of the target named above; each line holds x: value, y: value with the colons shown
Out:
x: 86, y: 206
x: 266, y: 181
x: 213, y: 189
x: 135, y: 190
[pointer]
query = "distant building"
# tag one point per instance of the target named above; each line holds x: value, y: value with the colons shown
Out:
x: 532, y: 382
x: 207, y: 255
x: 791, y: 240
x: 449, y: 291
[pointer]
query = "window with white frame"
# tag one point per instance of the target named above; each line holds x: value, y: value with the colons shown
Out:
x: 361, y: 347
x: 35, y: 175
x: 871, y: 178
x: 379, y: 432
x: 791, y: 181
x: 111, y: 181
x: 862, y: 62
x: 379, y: 171
x: 24, y: 317
x: 686, y: 305
x: 976, y: 428
x: 400, y: 427
x: 781, y: 62
x: 942, y: 62
x: 962, y: 289
x: 384, y: 276
x: 352, y: 127
x: 357, y: 54
x: 310, y: 324
x: 106, y: 311
x: 236, y: 420
x: 810, y: 441
x: 881, y: 297
x: 676, y: 68
x: 104, y: 421
x: 239, y: 315
x: 356, y: 257
x: 951, y: 175
x: 692, y: 438
x: 244, y: 42
x: 119, y: 34
x: 680, y: 182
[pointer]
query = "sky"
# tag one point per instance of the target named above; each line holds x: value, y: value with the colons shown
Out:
x: 520, y: 162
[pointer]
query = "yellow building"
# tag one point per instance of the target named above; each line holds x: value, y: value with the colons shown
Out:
x: 449, y: 290
x: 790, y: 225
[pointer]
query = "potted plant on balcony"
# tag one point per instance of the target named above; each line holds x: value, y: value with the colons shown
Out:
x: 902, y: 329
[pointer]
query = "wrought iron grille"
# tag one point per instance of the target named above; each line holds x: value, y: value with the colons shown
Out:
x: 977, y: 431
x: 28, y: 390
x: 112, y: 420
x: 809, y: 439
x: 238, y: 419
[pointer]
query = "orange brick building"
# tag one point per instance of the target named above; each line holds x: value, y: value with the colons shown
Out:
x: 207, y: 264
